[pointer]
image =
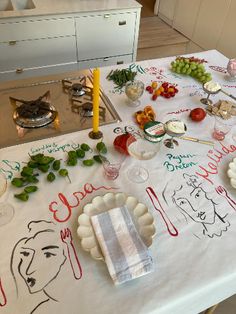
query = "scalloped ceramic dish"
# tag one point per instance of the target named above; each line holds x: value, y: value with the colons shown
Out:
x: 3, y: 184
x: 232, y: 173
x: 143, y: 220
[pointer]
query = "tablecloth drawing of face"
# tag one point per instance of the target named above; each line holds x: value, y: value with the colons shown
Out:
x: 39, y: 257
x: 193, y: 201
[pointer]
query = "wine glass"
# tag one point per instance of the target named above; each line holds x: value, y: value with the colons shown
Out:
x: 141, y: 149
x: 174, y: 128
x: 6, y: 209
x: 134, y: 90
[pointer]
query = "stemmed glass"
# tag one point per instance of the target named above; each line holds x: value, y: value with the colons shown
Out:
x: 141, y: 149
x: 174, y: 128
x: 6, y: 210
x: 134, y: 90
x: 207, y: 101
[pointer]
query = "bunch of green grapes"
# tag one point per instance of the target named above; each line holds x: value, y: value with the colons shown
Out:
x: 194, y: 69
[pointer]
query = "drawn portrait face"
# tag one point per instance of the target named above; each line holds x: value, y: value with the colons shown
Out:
x: 41, y: 259
x: 195, y: 203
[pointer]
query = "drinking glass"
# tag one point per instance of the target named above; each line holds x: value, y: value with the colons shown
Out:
x: 134, y: 90
x: 141, y: 149
x: 222, y: 127
x: 112, y: 164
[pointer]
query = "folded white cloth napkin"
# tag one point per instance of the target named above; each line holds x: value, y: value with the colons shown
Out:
x: 126, y: 256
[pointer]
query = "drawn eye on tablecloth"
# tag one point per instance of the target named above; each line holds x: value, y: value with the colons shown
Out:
x: 192, y: 200
x: 38, y: 258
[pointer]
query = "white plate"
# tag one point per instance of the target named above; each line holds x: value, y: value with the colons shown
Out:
x: 142, y: 219
x: 232, y: 172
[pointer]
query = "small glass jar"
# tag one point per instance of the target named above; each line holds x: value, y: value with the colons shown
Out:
x: 154, y: 131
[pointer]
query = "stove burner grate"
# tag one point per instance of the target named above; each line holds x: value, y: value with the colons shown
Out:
x: 34, y: 113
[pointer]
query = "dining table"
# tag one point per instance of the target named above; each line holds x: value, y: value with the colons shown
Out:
x: 45, y: 267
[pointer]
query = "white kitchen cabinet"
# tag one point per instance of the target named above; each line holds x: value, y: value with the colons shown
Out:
x: 21, y: 29
x: 40, y: 45
x: 27, y: 45
x: 166, y: 10
x: 211, y: 18
x: 185, y: 16
x: 226, y: 42
x: 37, y: 53
x: 105, y: 35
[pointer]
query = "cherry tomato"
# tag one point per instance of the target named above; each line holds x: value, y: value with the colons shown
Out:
x: 154, y: 85
x: 165, y: 85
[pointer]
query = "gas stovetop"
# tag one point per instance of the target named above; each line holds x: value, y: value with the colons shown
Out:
x: 69, y: 105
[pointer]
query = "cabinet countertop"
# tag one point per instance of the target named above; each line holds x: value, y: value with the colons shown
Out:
x: 45, y: 7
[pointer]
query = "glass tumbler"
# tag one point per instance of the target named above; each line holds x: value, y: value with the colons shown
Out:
x: 221, y: 128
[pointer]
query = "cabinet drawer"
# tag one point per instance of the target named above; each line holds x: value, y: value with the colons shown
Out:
x: 105, y: 35
x: 37, y: 53
x: 48, y: 70
x: 105, y: 62
x: 25, y: 30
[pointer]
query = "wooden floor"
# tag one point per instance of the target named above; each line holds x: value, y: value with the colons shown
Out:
x: 148, y: 7
x: 157, y: 39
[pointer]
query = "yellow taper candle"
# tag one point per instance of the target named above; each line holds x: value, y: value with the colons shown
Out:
x: 96, y: 87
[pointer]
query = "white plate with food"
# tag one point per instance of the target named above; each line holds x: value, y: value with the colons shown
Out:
x: 143, y: 220
x: 232, y: 173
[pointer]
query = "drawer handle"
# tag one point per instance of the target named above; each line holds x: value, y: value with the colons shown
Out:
x: 120, y: 62
x: 19, y: 70
x: 122, y: 23
x: 12, y: 42
x: 106, y: 16
x: 105, y: 59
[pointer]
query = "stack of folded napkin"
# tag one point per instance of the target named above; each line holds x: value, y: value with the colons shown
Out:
x: 126, y: 256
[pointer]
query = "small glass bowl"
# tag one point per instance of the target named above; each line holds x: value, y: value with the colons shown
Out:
x: 134, y: 90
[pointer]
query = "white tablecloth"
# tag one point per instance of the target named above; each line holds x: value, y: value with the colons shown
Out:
x: 194, y: 249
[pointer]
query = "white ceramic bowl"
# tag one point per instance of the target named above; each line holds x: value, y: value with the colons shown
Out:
x: 143, y: 220
x: 232, y: 172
